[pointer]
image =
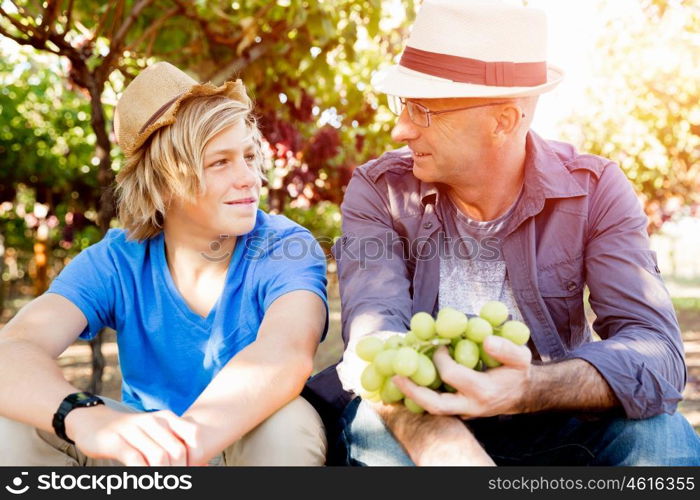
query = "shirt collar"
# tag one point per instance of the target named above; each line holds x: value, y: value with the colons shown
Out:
x: 546, y: 173
x: 546, y: 176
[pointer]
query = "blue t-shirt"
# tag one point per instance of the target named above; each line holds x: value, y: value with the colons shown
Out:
x: 168, y: 353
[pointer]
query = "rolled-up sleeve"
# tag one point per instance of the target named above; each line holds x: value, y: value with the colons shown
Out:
x: 374, y: 281
x: 373, y: 278
x: 641, y: 352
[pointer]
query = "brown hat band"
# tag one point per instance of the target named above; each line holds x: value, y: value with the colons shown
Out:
x: 159, y: 112
x: 466, y: 70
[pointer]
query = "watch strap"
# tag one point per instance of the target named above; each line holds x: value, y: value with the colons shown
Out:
x: 70, y: 403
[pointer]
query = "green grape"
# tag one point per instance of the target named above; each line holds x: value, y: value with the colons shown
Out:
x: 515, y: 331
x: 467, y: 353
x: 371, y: 379
x: 368, y: 347
x: 494, y: 312
x: 410, y: 338
x: 449, y: 388
x: 450, y: 323
x: 428, y: 353
x: 393, y: 342
x: 413, y: 406
x: 423, y: 325
x: 405, y: 362
x: 436, y: 383
x: 426, y: 373
x: 384, y: 362
x: 489, y: 362
x: 390, y: 393
x: 444, y: 310
x: 478, y: 329
x: 371, y: 396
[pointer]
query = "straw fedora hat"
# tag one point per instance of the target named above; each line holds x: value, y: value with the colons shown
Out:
x: 152, y: 99
x: 472, y: 48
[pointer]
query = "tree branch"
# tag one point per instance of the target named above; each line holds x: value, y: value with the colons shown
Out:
x: 211, y: 35
x: 116, y: 44
x: 237, y: 65
x: 65, y: 47
x: 118, y: 39
x: 151, y: 42
x: 21, y: 41
x: 100, y: 24
x: 154, y: 27
x: 25, y: 14
x: 25, y: 30
x: 118, y: 14
x: 31, y: 41
x: 69, y: 15
x: 48, y: 19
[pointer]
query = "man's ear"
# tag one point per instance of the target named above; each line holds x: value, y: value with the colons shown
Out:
x: 508, y: 118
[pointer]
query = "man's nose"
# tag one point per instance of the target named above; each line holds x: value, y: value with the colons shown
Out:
x: 404, y: 130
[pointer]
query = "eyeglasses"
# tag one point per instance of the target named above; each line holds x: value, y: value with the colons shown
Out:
x: 420, y: 115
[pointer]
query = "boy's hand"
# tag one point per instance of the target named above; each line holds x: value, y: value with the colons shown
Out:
x: 156, y: 438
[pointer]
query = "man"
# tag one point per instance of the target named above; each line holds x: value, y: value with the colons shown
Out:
x: 477, y: 207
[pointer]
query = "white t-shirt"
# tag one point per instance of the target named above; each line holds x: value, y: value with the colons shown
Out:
x: 472, y: 268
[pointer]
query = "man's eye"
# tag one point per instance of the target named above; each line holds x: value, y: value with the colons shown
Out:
x: 250, y: 158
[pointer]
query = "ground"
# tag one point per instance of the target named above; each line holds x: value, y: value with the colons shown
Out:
x: 690, y: 325
x: 76, y: 360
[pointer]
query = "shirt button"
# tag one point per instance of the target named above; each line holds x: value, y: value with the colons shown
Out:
x: 656, y: 268
x: 428, y: 225
x: 571, y: 286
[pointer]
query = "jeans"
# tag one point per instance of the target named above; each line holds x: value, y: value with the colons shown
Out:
x: 539, y: 439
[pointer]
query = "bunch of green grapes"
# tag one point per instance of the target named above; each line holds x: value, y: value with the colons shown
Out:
x: 411, y: 355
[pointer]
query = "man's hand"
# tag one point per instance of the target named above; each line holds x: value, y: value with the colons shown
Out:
x: 498, y: 391
x: 140, y: 439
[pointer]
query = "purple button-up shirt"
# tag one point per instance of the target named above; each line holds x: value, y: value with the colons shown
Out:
x: 577, y: 223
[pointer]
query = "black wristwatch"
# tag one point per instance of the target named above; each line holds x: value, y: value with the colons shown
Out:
x: 70, y: 403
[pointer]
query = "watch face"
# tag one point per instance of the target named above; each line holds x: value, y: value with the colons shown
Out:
x: 82, y: 399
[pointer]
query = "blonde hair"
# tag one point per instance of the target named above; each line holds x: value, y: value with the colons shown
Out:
x: 170, y: 164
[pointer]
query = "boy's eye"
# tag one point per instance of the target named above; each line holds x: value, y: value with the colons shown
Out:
x: 249, y: 158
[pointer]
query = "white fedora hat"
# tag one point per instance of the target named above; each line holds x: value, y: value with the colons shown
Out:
x: 472, y: 48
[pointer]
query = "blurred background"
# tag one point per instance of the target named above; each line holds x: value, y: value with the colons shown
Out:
x: 631, y: 93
